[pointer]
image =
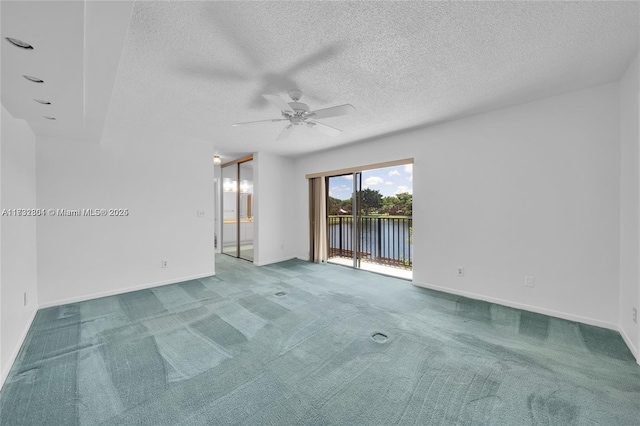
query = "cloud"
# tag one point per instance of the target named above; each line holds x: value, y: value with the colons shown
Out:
x: 373, y: 181
x: 394, y: 172
x: 408, y: 168
x: 339, y: 190
x: 348, y: 177
x: 410, y: 178
x: 388, y: 183
x: 404, y: 189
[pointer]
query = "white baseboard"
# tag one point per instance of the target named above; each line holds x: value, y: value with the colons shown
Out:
x: 523, y: 306
x: 14, y: 354
x: 630, y: 344
x: 269, y: 262
x: 122, y: 290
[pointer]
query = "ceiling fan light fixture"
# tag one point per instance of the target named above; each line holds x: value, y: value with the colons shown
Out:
x: 295, y: 94
x: 33, y: 79
x: 40, y: 101
x: 217, y: 160
x: 19, y: 43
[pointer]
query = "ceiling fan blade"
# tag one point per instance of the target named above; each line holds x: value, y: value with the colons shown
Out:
x: 285, y: 133
x: 259, y: 121
x: 332, y: 111
x: 323, y: 128
x: 277, y: 101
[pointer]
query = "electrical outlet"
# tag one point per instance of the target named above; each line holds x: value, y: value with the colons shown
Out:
x: 460, y: 271
x: 164, y: 264
x: 200, y: 213
x: 635, y: 315
x: 25, y: 298
x: 529, y: 281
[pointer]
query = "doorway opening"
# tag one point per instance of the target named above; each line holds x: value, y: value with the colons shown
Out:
x: 237, y: 208
x: 370, y: 220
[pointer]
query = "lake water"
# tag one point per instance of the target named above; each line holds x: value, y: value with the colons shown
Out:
x: 384, y: 237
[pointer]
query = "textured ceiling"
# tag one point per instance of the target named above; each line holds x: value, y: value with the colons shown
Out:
x: 190, y: 69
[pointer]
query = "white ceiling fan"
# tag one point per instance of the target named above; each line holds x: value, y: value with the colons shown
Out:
x: 298, y: 114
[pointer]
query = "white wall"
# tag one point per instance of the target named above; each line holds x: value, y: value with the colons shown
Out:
x: 161, y: 180
x: 274, y: 206
x: 629, y: 205
x: 528, y: 190
x: 18, y: 238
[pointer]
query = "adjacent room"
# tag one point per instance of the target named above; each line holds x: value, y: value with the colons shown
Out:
x: 345, y: 213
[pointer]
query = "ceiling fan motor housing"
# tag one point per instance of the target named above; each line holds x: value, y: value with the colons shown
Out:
x: 301, y: 113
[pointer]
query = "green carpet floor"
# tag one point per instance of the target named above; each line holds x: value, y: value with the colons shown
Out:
x: 298, y: 343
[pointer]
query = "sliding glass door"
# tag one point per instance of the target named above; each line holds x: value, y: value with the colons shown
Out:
x: 369, y: 219
x: 344, y: 218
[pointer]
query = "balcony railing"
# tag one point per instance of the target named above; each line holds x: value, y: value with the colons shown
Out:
x: 385, y: 240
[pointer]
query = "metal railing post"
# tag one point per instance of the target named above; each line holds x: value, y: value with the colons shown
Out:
x: 340, y: 234
x: 379, y: 254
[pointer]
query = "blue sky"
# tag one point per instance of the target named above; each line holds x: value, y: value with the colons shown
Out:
x: 389, y: 181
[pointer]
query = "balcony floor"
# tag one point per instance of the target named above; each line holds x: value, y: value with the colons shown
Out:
x: 406, y: 274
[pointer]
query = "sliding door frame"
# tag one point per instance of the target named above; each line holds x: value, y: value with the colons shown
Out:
x: 356, y: 219
x: 237, y: 164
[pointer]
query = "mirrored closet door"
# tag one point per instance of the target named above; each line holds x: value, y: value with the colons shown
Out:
x: 237, y: 208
